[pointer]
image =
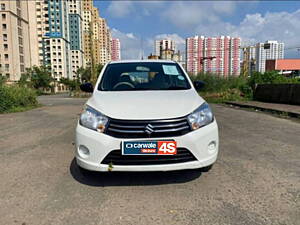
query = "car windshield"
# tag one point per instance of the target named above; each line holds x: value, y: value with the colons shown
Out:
x: 143, y: 76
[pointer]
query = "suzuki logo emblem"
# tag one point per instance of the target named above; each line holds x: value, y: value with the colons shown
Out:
x: 149, y: 129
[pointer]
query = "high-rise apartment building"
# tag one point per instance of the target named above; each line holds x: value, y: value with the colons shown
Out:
x: 87, y: 30
x: 105, y: 42
x: 194, y: 54
x: 115, y: 49
x: 14, y: 39
x: 166, y: 49
x: 56, y: 41
x: 64, y: 35
x: 164, y: 45
x: 97, y: 36
x: 56, y: 37
x: 219, y: 55
x: 75, y: 36
x: 265, y: 51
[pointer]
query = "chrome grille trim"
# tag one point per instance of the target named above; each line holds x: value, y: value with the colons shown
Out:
x: 147, y: 128
x: 126, y: 131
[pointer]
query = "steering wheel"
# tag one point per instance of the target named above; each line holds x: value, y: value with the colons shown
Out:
x: 124, y: 83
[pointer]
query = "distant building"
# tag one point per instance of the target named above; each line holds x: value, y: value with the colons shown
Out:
x: 163, y: 45
x: 153, y: 57
x: 15, y: 39
x: 64, y: 35
x: 75, y: 37
x: 166, y: 49
x: 56, y: 37
x: 284, y: 66
x: 267, y: 50
x: 166, y: 54
x: 219, y: 55
x: 97, y: 36
x: 115, y: 49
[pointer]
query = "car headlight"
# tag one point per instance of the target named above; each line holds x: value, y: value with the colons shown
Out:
x: 201, y: 117
x: 92, y: 119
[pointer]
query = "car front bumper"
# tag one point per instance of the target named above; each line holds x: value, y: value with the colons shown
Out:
x: 202, y: 143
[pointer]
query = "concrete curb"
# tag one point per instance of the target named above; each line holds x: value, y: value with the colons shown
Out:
x: 264, y: 108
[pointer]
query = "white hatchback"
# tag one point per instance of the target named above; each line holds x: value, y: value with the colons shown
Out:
x: 145, y: 115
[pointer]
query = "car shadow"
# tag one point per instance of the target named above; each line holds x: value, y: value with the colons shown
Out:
x: 99, y: 179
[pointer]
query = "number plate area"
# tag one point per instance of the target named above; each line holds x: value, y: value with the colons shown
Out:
x: 167, y: 147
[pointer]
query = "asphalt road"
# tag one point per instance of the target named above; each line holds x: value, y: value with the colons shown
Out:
x: 256, y: 179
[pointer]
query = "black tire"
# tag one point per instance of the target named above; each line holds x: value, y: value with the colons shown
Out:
x: 206, y: 169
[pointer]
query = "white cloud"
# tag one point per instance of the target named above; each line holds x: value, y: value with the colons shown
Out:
x: 226, y: 7
x: 281, y: 26
x: 186, y: 14
x: 130, y: 44
x: 120, y: 9
x: 130, y: 35
x: 175, y: 37
x: 209, y: 18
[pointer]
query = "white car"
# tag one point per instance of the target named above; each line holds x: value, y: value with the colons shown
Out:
x: 145, y: 115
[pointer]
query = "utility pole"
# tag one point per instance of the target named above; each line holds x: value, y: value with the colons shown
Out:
x: 142, y: 48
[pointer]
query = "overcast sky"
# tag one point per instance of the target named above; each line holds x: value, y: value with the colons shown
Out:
x: 253, y: 21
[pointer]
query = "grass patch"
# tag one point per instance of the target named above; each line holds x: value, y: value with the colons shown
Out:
x: 220, y: 89
x: 20, y: 109
x: 17, y: 99
x: 223, y: 96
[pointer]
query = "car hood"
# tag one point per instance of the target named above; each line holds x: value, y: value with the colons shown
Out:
x: 142, y: 105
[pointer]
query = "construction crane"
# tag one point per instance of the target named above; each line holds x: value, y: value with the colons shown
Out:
x: 248, y: 62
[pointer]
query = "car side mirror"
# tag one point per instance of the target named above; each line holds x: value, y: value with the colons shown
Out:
x: 87, y: 87
x: 199, y: 85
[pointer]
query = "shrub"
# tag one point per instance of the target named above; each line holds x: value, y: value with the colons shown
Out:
x: 2, y: 79
x: 270, y: 77
x: 215, y: 83
x: 72, y: 84
x: 15, y: 98
x: 37, y: 77
x: 224, y: 88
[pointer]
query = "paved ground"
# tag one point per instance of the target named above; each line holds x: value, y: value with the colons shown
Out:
x: 290, y: 110
x: 255, y: 181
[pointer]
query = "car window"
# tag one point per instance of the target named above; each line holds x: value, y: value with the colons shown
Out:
x: 143, y: 76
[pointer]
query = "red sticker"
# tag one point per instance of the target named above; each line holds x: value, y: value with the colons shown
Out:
x: 167, y: 148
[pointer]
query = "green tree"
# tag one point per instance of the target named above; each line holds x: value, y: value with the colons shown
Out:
x: 37, y: 77
x: 269, y: 77
x: 72, y: 84
x: 99, y: 68
x: 85, y: 74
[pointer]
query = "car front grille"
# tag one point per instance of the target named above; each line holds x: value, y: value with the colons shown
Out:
x: 115, y: 157
x: 147, y: 128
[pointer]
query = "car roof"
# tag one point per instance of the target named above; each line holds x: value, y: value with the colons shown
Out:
x: 143, y: 61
